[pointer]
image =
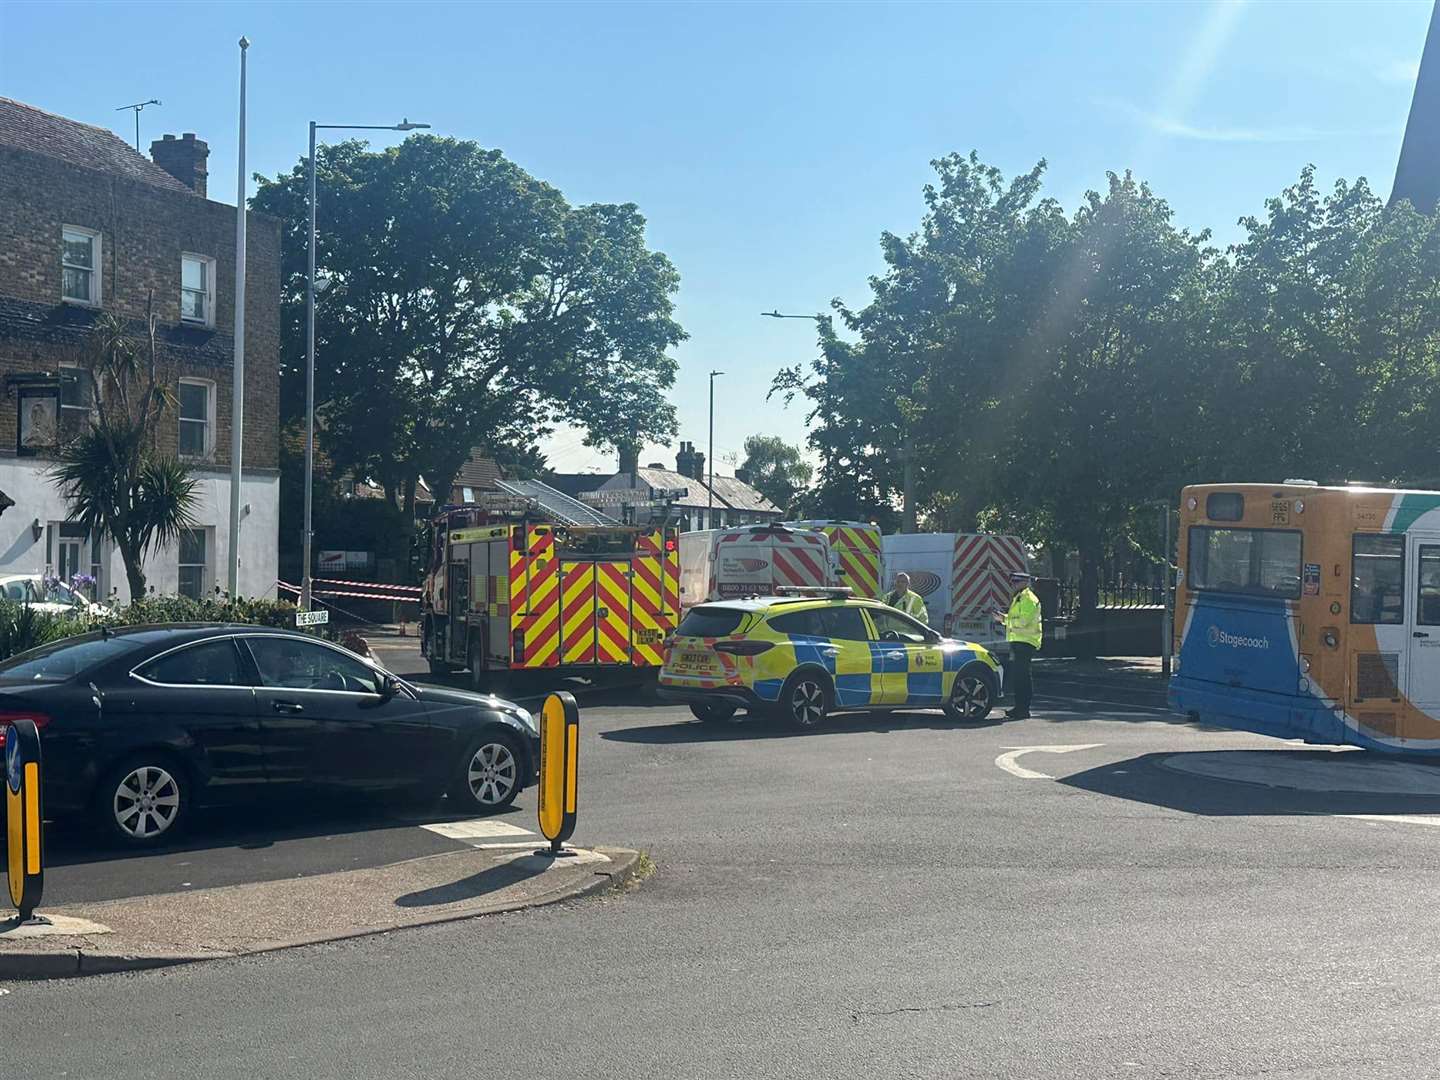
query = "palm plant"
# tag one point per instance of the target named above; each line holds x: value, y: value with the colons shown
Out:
x: 119, y: 484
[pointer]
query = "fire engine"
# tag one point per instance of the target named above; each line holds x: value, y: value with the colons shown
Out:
x: 508, y: 591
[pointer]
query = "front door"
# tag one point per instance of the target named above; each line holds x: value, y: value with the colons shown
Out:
x: 1423, y: 670
x: 326, y: 724
x: 70, y: 551
x: 908, y: 663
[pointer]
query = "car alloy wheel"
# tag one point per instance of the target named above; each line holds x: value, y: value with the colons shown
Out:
x: 492, y: 774
x: 146, y: 802
x: 970, y: 699
x: 807, y: 703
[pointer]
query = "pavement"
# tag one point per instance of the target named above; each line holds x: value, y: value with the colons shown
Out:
x: 162, y: 929
x: 1104, y: 890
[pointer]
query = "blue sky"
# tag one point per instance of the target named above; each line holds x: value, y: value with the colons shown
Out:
x: 769, y: 145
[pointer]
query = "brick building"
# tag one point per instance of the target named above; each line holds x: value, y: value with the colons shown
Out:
x: 88, y: 225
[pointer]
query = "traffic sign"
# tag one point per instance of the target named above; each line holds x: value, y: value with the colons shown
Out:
x: 25, y: 862
x: 559, y: 768
x: 318, y: 617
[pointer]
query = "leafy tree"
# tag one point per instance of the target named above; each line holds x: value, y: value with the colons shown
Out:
x: 1061, y: 376
x: 469, y: 304
x: 119, y: 483
x: 776, y: 469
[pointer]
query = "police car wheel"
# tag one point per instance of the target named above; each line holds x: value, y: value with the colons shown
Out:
x: 804, y: 700
x: 971, y: 698
x: 712, y: 712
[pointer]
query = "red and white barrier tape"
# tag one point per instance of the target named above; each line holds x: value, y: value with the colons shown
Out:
x: 392, y: 597
x: 405, y: 590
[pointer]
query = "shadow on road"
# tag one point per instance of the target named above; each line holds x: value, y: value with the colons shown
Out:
x: 1221, y: 783
x: 760, y: 727
x: 73, y: 843
x: 486, y: 881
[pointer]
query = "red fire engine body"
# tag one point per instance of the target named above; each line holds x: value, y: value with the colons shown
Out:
x: 529, y: 594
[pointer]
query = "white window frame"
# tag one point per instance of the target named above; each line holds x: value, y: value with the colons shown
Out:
x: 70, y: 365
x: 209, y: 451
x: 209, y: 264
x: 97, y: 290
x: 207, y: 568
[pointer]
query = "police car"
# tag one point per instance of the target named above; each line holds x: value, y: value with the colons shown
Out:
x: 811, y: 652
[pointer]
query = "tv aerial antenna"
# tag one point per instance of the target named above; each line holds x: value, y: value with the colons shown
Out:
x: 138, y: 107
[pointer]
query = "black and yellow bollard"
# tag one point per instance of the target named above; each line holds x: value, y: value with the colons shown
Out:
x: 559, y: 770
x: 25, y: 862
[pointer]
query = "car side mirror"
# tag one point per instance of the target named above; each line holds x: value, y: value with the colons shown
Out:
x: 389, y: 686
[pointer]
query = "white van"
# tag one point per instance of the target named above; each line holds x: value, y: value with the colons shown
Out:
x: 751, y: 560
x: 962, y: 577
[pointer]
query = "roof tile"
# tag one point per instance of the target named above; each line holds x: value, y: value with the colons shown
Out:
x: 25, y: 127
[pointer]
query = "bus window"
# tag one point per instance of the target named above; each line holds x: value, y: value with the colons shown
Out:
x: 1225, y: 506
x: 1255, y: 562
x: 1427, y: 612
x: 1377, y: 579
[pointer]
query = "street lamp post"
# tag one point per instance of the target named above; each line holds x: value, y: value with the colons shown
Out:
x: 710, y: 487
x: 404, y: 125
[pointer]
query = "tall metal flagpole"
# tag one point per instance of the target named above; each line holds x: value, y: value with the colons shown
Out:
x: 237, y: 393
x: 309, y: 391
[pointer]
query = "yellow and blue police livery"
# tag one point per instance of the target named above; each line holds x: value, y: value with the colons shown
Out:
x: 809, y: 653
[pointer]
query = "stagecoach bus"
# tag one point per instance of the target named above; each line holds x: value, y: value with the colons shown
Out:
x: 1311, y: 612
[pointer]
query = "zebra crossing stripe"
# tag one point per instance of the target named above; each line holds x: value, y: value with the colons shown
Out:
x: 475, y: 829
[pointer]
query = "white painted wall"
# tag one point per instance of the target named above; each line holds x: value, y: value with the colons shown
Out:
x: 36, y: 498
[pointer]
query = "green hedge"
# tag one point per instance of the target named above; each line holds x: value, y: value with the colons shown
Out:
x: 23, y: 627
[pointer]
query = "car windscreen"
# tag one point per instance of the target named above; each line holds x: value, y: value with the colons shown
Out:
x: 710, y: 622
x: 61, y: 660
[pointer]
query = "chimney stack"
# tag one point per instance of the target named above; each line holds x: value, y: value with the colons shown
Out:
x: 697, y: 459
x: 629, y: 457
x: 183, y: 158
x: 742, y: 474
x: 683, y: 462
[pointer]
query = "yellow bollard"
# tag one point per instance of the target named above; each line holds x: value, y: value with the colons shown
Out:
x: 559, y: 770
x: 25, y: 863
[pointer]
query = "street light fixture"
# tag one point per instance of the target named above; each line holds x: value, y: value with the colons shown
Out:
x: 777, y: 315
x: 405, y: 125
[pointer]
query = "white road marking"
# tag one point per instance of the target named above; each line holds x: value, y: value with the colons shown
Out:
x: 1007, y: 761
x: 532, y: 842
x: 475, y: 829
x: 1402, y: 819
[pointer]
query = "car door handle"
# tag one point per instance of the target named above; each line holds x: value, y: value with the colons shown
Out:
x: 287, y: 706
x: 1420, y: 633
x: 894, y: 656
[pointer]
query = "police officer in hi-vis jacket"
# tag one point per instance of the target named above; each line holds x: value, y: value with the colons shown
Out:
x: 902, y: 599
x: 1022, y: 631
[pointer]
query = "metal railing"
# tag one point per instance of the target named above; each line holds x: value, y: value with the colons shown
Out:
x: 1118, y: 594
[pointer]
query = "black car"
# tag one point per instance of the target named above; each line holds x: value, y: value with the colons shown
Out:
x: 138, y: 725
